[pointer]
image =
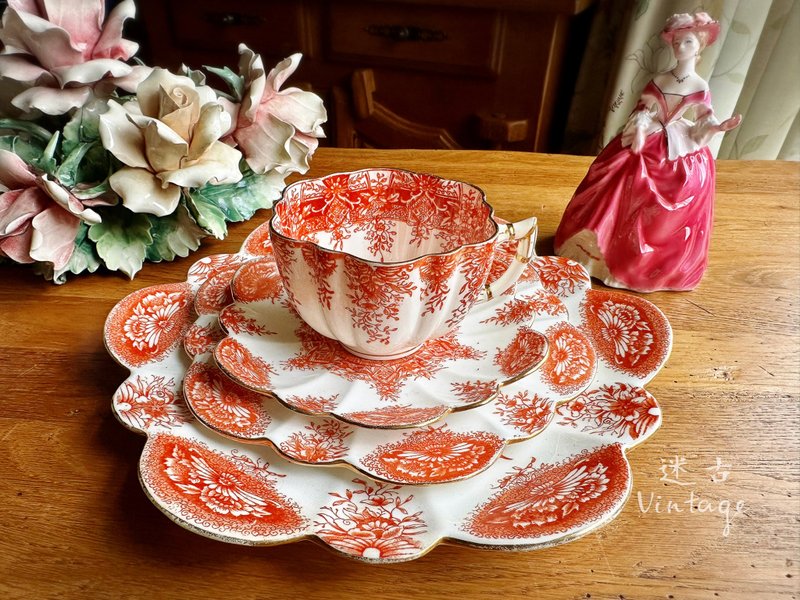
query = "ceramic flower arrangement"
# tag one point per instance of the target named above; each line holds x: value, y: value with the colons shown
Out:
x: 108, y: 163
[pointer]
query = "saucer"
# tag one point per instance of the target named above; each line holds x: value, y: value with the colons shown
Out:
x: 458, y: 447
x: 270, y: 350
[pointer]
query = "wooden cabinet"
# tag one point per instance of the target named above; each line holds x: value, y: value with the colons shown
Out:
x: 399, y: 73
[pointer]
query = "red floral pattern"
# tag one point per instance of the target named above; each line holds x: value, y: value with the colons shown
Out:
x: 434, y: 455
x: 526, y: 351
x: 249, y: 369
x: 554, y: 498
x: 561, y: 276
x: 222, y: 404
x: 234, y: 319
x: 620, y: 410
x: 394, y: 416
x: 376, y: 295
x: 150, y: 401
x: 200, y: 271
x: 387, y: 377
x: 525, y: 411
x: 258, y: 243
x: 313, y: 405
x: 373, y: 521
x: 146, y: 325
x: 211, y: 491
x: 525, y: 309
x: 200, y: 339
x: 318, y: 442
x: 257, y: 280
x: 456, y: 211
x: 571, y: 360
x: 630, y: 333
x: 215, y: 293
x: 436, y: 273
x: 474, y: 392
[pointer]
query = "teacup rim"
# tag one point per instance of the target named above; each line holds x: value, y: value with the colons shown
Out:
x: 377, y: 263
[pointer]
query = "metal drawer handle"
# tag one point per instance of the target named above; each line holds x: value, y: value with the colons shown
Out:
x: 407, y: 33
x: 231, y: 19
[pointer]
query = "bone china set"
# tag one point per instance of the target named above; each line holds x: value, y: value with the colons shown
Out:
x: 455, y: 386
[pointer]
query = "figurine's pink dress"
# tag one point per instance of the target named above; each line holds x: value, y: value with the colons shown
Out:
x: 643, y: 221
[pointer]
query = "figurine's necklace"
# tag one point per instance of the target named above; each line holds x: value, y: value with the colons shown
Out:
x: 680, y: 79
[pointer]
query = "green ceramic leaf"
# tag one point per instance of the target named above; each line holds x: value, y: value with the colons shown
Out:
x: 47, y: 161
x: 67, y: 172
x: 215, y: 204
x: 207, y: 214
x: 83, y: 127
x: 175, y: 235
x: 32, y: 130
x: 234, y: 80
x: 122, y: 239
x: 27, y: 149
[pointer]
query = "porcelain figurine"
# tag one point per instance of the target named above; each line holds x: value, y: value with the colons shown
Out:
x: 641, y: 219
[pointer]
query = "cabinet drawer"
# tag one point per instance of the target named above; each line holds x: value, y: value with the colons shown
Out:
x: 275, y: 29
x: 467, y: 41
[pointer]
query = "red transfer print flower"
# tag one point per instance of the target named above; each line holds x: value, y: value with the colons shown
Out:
x: 525, y: 309
x: 150, y: 401
x: 526, y: 351
x: 554, y: 498
x: 571, y: 360
x: 619, y: 409
x: 630, y: 333
x: 434, y: 454
x: 211, y: 491
x: 224, y: 405
x: 525, y: 411
x: 318, y: 442
x: 387, y: 376
x: 561, y: 276
x: 147, y: 324
x: 247, y: 368
x: 371, y: 521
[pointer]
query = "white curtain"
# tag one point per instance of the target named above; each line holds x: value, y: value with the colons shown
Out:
x: 752, y: 69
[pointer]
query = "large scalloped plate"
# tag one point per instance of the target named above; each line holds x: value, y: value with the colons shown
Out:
x: 570, y: 479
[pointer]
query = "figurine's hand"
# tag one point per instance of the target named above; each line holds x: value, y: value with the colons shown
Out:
x: 637, y: 142
x: 729, y: 124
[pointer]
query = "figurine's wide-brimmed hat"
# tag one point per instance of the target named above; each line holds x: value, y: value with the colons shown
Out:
x: 684, y: 22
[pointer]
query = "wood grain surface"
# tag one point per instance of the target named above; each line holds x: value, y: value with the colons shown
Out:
x: 74, y: 522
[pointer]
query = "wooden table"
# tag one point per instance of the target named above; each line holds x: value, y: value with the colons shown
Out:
x: 75, y: 523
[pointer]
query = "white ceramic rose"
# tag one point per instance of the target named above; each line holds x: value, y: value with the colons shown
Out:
x: 168, y: 138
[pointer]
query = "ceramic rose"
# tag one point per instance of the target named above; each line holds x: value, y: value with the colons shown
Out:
x: 39, y: 219
x: 275, y: 129
x: 384, y: 259
x: 60, y: 54
x: 168, y: 138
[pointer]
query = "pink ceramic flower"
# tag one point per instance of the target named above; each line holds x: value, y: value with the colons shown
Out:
x: 39, y: 219
x: 65, y: 52
x: 275, y: 129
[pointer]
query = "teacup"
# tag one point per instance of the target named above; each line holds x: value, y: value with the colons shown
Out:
x: 383, y: 260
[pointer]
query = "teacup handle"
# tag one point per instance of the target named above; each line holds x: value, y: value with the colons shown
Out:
x: 525, y: 232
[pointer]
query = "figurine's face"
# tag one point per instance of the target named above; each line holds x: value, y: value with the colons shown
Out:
x: 685, y: 45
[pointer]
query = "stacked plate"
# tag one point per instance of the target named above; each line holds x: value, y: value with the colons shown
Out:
x: 509, y: 433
